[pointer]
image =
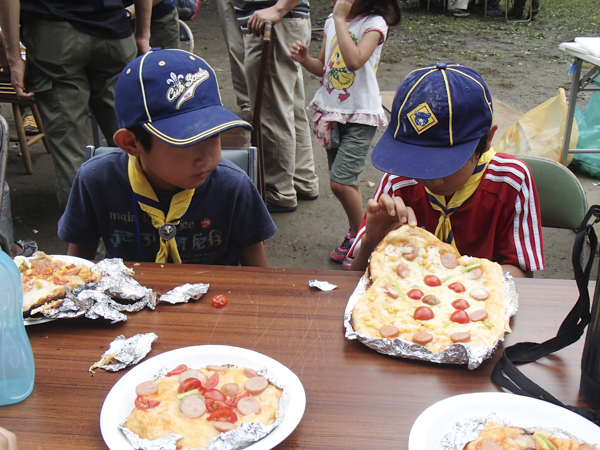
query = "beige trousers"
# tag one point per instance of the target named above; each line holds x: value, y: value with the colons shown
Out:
x: 286, y: 131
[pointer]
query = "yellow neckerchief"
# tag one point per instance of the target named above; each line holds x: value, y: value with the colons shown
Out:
x: 443, y: 231
x: 148, y: 201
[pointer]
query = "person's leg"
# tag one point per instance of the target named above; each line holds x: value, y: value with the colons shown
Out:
x: 109, y: 57
x: 235, y: 47
x: 351, y: 199
x: 56, y: 56
x: 164, y: 32
x: 306, y: 181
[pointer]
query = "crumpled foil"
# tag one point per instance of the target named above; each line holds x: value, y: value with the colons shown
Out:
x: 466, y: 431
x: 185, y: 293
x: 458, y: 353
x: 247, y: 433
x: 125, y: 352
x: 322, y: 285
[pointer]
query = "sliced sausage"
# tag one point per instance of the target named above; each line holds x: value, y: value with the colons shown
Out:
x: 410, y: 251
x: 216, y: 368
x: 475, y: 274
x: 146, y: 388
x: 192, y: 373
x: 223, y: 427
x: 479, y: 293
x: 448, y: 260
x: 422, y: 337
x: 230, y: 389
x: 256, y: 385
x: 389, y: 331
x: 248, y: 405
x: 476, y: 316
x: 192, y: 406
x: 430, y: 300
x: 489, y: 444
x: 402, y: 270
x: 391, y: 291
x: 250, y: 373
x: 461, y: 336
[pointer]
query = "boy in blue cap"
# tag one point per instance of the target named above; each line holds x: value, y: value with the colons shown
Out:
x: 168, y: 197
x: 443, y: 175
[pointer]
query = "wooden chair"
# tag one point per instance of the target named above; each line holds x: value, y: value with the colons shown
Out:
x: 8, y: 95
x: 256, y: 137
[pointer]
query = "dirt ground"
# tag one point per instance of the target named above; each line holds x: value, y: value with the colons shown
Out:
x: 521, y: 63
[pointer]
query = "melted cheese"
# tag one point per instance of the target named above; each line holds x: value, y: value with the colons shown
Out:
x: 197, y: 432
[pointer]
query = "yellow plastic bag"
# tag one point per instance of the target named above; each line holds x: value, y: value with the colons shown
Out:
x: 541, y: 131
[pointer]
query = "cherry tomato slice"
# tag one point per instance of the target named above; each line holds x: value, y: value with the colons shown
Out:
x: 415, y: 294
x: 212, y: 405
x: 189, y: 384
x: 177, y: 370
x: 461, y: 304
x: 233, y: 401
x: 423, y: 313
x: 59, y: 281
x: 143, y: 403
x: 215, y: 394
x: 457, y: 287
x: 432, y: 280
x: 223, y: 415
x: 220, y: 301
x: 211, y: 381
x: 459, y: 317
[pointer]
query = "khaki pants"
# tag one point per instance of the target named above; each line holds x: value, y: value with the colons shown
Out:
x: 164, y: 32
x: 286, y: 132
x: 69, y: 70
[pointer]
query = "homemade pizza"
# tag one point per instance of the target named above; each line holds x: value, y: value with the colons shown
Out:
x: 424, y: 292
x: 200, y: 404
x: 45, y: 277
x: 495, y: 436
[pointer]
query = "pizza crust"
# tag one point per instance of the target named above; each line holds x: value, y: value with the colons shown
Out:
x: 387, y: 302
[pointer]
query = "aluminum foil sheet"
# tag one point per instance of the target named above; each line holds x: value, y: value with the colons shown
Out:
x: 185, y: 293
x: 125, y: 352
x: 247, y: 433
x: 116, y: 292
x: 322, y: 285
x: 466, y: 431
x: 454, y: 354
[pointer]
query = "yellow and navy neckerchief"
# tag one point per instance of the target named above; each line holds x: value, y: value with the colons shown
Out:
x: 146, y: 197
x: 443, y: 231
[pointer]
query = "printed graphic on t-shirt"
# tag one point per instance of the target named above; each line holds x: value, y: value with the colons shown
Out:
x: 338, y: 77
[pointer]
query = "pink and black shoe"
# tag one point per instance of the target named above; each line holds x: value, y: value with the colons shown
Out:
x: 339, y: 254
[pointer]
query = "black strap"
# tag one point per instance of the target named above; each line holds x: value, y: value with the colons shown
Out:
x: 506, y: 374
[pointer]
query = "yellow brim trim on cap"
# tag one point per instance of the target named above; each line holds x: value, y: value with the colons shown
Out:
x: 183, y: 142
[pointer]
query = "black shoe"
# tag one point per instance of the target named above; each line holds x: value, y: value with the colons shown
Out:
x: 305, y: 197
x: 515, y: 14
x: 273, y: 208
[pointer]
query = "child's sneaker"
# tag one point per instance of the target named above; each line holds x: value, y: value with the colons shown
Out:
x: 29, y: 125
x: 340, y: 253
x: 347, y: 264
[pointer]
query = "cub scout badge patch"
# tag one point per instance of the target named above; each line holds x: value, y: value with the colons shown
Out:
x: 184, y: 87
x: 422, y: 118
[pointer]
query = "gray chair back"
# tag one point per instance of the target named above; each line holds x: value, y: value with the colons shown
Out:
x: 4, y: 139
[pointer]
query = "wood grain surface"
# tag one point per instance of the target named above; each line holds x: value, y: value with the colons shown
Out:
x: 356, y: 398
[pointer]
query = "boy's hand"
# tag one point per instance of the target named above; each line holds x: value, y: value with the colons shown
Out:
x: 342, y: 9
x: 386, y: 215
x: 298, y: 52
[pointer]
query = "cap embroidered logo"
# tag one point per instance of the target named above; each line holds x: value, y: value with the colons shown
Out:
x: 185, y: 89
x: 422, y: 118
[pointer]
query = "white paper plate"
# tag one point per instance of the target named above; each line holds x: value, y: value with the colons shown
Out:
x: 436, y: 421
x: 119, y: 401
x: 70, y: 260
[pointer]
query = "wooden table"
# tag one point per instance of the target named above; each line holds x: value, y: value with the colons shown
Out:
x: 356, y: 398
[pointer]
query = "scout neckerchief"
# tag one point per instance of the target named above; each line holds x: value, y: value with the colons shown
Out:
x: 443, y: 231
x: 148, y: 201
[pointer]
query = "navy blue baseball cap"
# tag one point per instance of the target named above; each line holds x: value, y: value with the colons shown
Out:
x: 174, y: 95
x: 439, y: 114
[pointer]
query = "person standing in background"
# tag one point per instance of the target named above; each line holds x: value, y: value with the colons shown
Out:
x: 235, y: 46
x: 75, y: 52
x: 164, y: 24
x: 289, y: 165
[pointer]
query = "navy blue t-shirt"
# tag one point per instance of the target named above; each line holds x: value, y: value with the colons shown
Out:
x: 226, y: 213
